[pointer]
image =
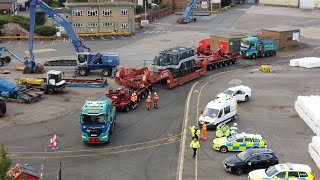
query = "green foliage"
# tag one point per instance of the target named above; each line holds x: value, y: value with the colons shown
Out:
x: 161, y: 6
x: 51, y: 3
x: 61, y: 3
x: 45, y: 30
x: 5, y: 162
x: 139, y: 9
x: 23, y: 21
x: 40, y: 18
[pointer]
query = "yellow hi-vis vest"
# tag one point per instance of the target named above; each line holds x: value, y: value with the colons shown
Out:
x: 195, y: 144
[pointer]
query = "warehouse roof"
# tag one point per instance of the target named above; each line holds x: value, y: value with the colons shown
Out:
x: 282, y: 29
x: 104, y: 4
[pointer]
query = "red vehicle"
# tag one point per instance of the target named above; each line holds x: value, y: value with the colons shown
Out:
x: 219, y: 58
x: 141, y: 80
x: 204, y: 47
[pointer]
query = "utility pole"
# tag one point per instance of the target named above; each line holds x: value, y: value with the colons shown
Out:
x: 145, y: 10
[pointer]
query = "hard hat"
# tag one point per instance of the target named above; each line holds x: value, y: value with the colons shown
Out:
x: 155, y: 93
x: 134, y: 94
x: 149, y: 96
x: 235, y: 124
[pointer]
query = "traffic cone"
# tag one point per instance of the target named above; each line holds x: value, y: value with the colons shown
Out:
x: 55, y: 146
x: 51, y: 142
x: 55, y: 137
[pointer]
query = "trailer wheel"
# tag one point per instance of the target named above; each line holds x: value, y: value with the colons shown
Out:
x: 215, y: 66
x: 210, y: 67
x: 139, y: 98
x: 274, y: 53
x: 106, y: 72
x: 220, y: 65
x: 194, y: 19
x: 225, y: 64
x: 235, y: 61
x: 3, y: 108
x: 1, y: 61
x: 142, y: 95
x: 7, y: 59
x: 263, y: 54
x: 83, y: 71
x: 50, y: 91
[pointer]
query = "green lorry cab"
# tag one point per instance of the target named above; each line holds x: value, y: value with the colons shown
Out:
x: 252, y: 47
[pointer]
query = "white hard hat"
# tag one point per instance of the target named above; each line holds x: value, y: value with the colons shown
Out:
x: 155, y: 93
x: 235, y: 124
x: 149, y: 96
x: 134, y: 93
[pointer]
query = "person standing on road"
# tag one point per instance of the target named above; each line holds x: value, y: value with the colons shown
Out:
x: 195, y: 132
x: 148, y: 102
x: 155, y: 100
x: 204, y: 131
x: 195, y: 145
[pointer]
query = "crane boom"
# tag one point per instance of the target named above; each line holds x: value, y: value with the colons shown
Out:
x: 76, y: 42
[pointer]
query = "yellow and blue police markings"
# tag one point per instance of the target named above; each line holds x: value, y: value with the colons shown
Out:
x: 238, y: 142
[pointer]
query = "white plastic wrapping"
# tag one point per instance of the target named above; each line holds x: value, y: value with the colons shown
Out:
x: 307, y: 62
x: 305, y: 117
x: 314, y: 155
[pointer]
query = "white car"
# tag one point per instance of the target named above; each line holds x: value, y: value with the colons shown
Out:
x: 241, y: 93
x: 286, y: 171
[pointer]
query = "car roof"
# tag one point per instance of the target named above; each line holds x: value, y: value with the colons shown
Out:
x: 220, y: 103
x: 244, y: 135
x: 235, y: 88
x: 292, y: 167
x: 259, y: 150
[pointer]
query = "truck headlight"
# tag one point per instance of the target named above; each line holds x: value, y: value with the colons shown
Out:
x: 105, y: 136
x: 83, y: 136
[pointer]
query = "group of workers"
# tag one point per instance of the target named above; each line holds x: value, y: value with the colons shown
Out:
x: 195, y: 133
x: 134, y: 100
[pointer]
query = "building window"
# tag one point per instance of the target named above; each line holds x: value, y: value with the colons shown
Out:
x: 77, y: 25
x: 92, y: 24
x: 124, y: 26
x: 107, y: 24
x: 124, y: 12
x: 107, y: 12
x: 67, y: 17
x: 77, y: 13
x: 92, y: 12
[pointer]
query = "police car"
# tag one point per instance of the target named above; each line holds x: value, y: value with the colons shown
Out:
x: 241, y: 93
x: 286, y: 171
x: 239, y: 142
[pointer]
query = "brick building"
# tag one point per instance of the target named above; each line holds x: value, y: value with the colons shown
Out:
x: 283, y: 36
x: 9, y: 7
x: 102, y: 17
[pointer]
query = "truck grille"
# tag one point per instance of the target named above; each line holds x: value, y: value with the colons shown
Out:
x: 94, y: 131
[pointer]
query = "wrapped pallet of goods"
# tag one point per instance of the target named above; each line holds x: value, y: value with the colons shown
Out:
x: 314, y: 150
x: 307, y: 62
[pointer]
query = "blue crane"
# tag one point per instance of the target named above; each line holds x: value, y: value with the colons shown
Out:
x: 187, y: 12
x: 86, y: 60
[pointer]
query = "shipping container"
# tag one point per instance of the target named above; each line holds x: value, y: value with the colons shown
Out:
x: 230, y: 42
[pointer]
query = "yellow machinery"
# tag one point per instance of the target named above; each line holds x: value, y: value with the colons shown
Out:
x: 265, y: 68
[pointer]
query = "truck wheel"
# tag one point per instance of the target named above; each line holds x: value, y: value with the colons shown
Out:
x: 210, y: 67
x: 50, y: 91
x: 3, y: 108
x: 263, y: 54
x: 195, y: 19
x: 83, y: 72
x: 139, y: 98
x: 254, y: 56
x: 1, y: 61
x: 220, y: 65
x: 7, y: 59
x: 225, y: 64
x: 246, y: 98
x: 274, y: 53
x: 215, y: 66
x: 142, y: 95
x: 106, y: 72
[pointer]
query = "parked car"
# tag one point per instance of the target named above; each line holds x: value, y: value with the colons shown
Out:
x: 241, y: 93
x: 250, y: 160
x: 286, y: 171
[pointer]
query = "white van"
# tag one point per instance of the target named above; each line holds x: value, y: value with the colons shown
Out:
x: 219, y: 111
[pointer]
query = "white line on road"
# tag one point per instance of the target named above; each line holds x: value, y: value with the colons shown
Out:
x: 113, y: 37
x: 92, y: 38
x: 41, y: 42
x: 288, y: 56
x: 123, y: 37
x: 20, y: 42
x: 317, y: 47
x: 41, y: 166
x: 102, y: 38
x: 52, y: 42
x: 133, y: 37
x: 41, y: 176
x: 8, y: 42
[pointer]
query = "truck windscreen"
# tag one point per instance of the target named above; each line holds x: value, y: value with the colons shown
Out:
x: 93, y: 119
x: 245, y: 44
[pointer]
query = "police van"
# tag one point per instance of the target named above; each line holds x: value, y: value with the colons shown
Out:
x: 219, y: 111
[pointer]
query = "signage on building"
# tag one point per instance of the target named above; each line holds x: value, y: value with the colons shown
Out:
x: 140, y: 2
x: 144, y: 22
x: 204, y: 5
x: 215, y: 1
x: 296, y: 36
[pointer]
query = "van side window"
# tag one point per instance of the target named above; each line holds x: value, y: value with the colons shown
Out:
x: 227, y: 110
x: 303, y: 174
x: 293, y: 174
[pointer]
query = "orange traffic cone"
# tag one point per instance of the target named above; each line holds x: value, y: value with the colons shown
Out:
x: 51, y: 142
x: 55, y: 146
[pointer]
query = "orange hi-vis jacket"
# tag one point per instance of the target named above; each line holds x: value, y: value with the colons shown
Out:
x: 156, y: 99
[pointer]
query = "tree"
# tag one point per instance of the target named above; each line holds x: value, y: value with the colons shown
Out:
x: 45, y: 30
x: 5, y: 162
x: 40, y: 18
x: 61, y: 3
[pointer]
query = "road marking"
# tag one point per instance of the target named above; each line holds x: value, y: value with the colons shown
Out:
x: 133, y: 37
x: 52, y: 42
x: 102, y: 38
x: 41, y: 50
x: 92, y: 38
x: 41, y: 166
x: 99, y: 154
x: 40, y: 175
x: 20, y: 42
x: 113, y: 37
x: 317, y: 47
x: 123, y: 37
x: 288, y: 56
x: 41, y: 42
x: 81, y: 39
x: 8, y: 42
x: 196, y: 168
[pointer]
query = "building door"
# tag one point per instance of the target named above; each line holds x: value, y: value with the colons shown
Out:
x: 224, y: 45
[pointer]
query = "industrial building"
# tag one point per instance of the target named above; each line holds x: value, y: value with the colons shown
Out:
x: 304, y: 4
x: 9, y: 7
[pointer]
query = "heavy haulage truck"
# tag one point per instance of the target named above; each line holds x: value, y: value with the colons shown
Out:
x: 253, y: 47
x: 173, y: 67
x: 97, y: 120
